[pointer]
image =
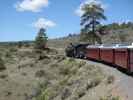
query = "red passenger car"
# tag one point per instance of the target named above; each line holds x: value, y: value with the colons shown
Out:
x: 130, y: 60
x: 121, y: 57
x: 107, y: 54
x: 93, y: 52
x: 124, y: 57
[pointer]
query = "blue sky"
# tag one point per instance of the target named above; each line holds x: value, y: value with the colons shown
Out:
x: 21, y: 19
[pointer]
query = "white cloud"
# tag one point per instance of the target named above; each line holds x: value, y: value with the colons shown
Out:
x: 43, y: 23
x: 79, y: 10
x: 31, y: 5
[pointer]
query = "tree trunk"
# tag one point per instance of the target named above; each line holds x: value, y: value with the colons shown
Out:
x: 93, y: 26
x: 93, y: 30
x: 96, y: 38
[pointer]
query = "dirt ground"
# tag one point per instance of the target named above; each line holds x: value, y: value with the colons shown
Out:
x: 122, y: 85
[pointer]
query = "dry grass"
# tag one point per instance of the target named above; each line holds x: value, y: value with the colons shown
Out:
x: 110, y: 98
x: 60, y: 77
x: 68, y: 77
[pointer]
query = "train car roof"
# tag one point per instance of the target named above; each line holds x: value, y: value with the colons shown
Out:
x: 114, y: 46
x: 94, y: 46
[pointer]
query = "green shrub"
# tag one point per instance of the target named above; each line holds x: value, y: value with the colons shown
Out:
x: 110, y: 98
x: 60, y: 58
x: 55, y: 65
x: 64, y: 81
x: 81, y: 63
x: 2, y: 65
x: 13, y: 49
x: 71, y: 60
x: 40, y: 73
x: 8, y: 54
x: 43, y: 96
x: 3, y: 76
x: 51, y: 51
x: 20, y: 44
x: 41, y: 39
x: 65, y: 93
x: 110, y: 79
x: 65, y: 70
x: 38, y: 51
x: 40, y: 92
x: 93, y: 83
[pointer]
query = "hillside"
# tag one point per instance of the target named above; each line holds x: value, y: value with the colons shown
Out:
x: 119, y: 36
x: 41, y: 75
x: 63, y: 42
x: 112, y: 36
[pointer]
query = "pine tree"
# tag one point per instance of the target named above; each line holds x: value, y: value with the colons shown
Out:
x: 90, y: 19
x: 41, y: 39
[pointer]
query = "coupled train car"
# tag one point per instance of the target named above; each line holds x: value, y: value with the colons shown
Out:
x: 119, y: 55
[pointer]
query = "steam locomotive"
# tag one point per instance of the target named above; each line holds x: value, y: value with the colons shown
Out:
x: 119, y: 55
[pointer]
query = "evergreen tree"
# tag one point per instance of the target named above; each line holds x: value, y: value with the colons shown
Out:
x: 41, y: 39
x: 90, y: 19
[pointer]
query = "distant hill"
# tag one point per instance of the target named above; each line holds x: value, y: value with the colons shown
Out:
x: 63, y: 42
x: 119, y: 36
x: 117, y: 33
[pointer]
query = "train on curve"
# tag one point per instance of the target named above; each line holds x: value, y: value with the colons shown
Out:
x: 120, y: 55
